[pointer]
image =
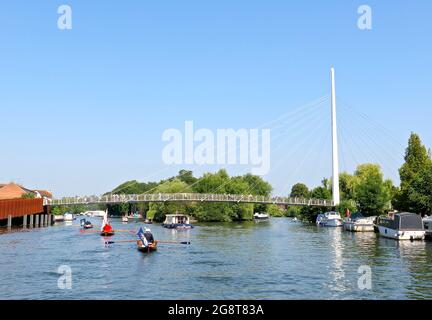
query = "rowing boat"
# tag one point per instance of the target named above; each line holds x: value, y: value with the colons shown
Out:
x: 107, y: 234
x: 152, y: 247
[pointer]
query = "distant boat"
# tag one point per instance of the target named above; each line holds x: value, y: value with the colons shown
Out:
x: 69, y: 217
x: 329, y: 219
x: 59, y: 218
x: 358, y: 223
x: 261, y: 216
x: 177, y: 221
x: 125, y: 219
x: 402, y: 226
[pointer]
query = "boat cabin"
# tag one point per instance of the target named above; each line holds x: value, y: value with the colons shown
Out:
x: 402, y: 221
x: 176, y: 219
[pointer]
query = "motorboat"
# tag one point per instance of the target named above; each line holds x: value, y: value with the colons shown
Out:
x: 177, y: 221
x: 427, y: 224
x: 402, y: 226
x: 329, y: 219
x: 261, y: 216
x: 69, y: 217
x: 59, y: 218
x: 125, y: 219
x: 356, y: 222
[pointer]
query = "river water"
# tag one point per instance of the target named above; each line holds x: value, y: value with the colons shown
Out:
x: 278, y: 259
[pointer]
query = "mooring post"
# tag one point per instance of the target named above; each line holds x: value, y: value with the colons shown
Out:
x: 25, y: 221
x: 45, y: 220
x: 37, y: 221
x: 31, y: 221
x: 9, y: 221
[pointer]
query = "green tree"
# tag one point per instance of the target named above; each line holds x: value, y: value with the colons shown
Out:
x: 412, y: 175
x: 372, y: 193
x: 299, y: 190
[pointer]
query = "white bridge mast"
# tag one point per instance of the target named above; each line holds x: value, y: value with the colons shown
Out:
x: 336, y: 194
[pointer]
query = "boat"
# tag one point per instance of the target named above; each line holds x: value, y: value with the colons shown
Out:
x: 177, y: 221
x: 329, y: 219
x: 402, y: 226
x: 87, y: 225
x: 125, y: 219
x: 59, y: 218
x: 136, y: 216
x: 106, y: 229
x: 261, y: 216
x: 69, y: 217
x: 358, y: 223
x: 427, y: 224
x: 150, y: 248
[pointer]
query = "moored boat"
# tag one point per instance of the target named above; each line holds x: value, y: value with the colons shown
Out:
x: 402, y: 226
x: 177, y: 221
x: 329, y: 219
x: 427, y: 223
x: 125, y: 219
x: 358, y: 223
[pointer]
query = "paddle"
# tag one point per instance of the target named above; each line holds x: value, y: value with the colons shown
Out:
x: 163, y: 242
x: 98, y: 231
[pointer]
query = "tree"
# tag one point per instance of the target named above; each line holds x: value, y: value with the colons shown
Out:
x: 413, y: 175
x: 371, y: 193
x: 299, y: 190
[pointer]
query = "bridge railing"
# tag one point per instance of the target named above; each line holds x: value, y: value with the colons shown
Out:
x: 188, y: 197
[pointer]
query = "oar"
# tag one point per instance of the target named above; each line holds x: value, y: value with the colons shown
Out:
x: 96, y: 231
x: 163, y: 242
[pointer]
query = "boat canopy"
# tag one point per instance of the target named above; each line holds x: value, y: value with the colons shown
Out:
x: 403, y: 221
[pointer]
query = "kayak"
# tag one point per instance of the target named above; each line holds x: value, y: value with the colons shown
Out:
x: 151, y: 248
x: 88, y: 226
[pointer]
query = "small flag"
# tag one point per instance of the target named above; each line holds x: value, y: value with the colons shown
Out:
x: 142, y: 237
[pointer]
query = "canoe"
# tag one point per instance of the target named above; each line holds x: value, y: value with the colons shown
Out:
x: 150, y: 248
x: 107, y: 234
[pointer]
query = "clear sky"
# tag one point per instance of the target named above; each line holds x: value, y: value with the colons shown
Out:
x: 83, y: 110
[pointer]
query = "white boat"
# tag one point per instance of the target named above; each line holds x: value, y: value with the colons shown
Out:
x: 125, y: 219
x: 427, y: 224
x: 402, y: 226
x: 59, y: 218
x: 261, y: 216
x: 177, y: 221
x: 69, y: 217
x: 358, y: 223
x: 329, y: 219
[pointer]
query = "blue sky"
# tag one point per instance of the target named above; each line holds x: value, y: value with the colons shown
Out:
x: 84, y: 109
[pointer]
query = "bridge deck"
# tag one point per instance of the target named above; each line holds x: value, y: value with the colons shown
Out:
x: 189, y: 197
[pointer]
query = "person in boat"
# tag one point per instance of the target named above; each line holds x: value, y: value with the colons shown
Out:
x: 148, y: 235
x: 107, y: 228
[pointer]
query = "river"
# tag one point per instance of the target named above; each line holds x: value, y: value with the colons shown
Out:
x: 277, y: 259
